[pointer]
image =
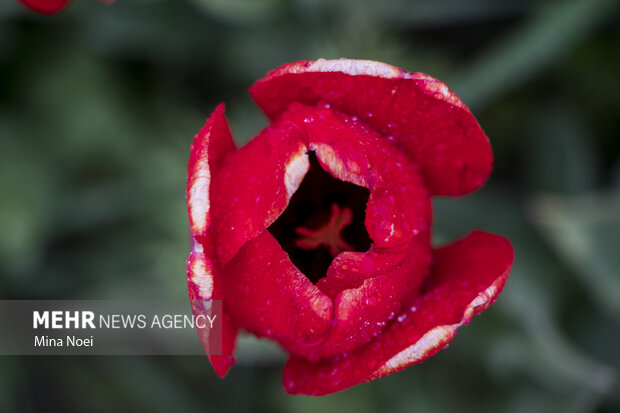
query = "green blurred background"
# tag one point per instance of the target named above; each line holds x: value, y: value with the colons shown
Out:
x: 98, y: 107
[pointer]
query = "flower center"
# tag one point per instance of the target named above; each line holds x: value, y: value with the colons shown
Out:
x: 329, y: 234
x: 325, y: 217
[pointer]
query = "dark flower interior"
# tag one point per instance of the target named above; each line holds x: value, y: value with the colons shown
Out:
x: 311, y: 207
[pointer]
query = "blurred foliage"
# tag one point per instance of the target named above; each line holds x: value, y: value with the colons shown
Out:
x: 98, y: 106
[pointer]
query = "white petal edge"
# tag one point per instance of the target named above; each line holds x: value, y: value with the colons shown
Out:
x: 295, y: 170
x: 350, y: 171
x: 356, y: 67
x: 201, y: 271
x: 438, y: 336
x: 429, y: 85
x: 199, y: 197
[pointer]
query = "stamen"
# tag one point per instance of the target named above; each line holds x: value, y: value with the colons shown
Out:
x: 329, y: 234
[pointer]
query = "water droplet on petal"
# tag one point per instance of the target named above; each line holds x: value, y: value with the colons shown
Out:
x: 370, y: 301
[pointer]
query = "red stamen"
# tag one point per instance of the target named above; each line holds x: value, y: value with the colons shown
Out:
x: 329, y: 234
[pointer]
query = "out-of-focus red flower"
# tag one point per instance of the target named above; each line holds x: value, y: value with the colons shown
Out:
x: 316, y: 234
x: 50, y: 6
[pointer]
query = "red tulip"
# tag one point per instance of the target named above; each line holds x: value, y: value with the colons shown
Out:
x: 316, y: 234
x: 50, y: 6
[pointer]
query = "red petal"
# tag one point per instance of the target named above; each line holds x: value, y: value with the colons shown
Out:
x: 254, y: 185
x: 467, y: 277
x: 203, y: 277
x: 350, y: 269
x: 203, y: 285
x: 362, y: 313
x: 46, y: 6
x: 210, y: 145
x: 399, y: 205
x: 421, y: 113
x: 268, y: 296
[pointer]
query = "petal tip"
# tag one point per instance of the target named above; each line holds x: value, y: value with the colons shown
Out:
x: 223, y: 365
